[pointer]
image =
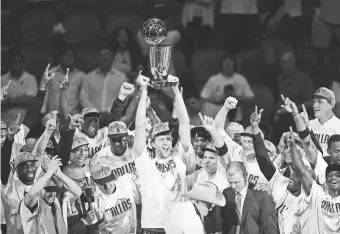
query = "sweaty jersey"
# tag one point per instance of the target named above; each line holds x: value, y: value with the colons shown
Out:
x: 97, y: 143
x: 324, y: 131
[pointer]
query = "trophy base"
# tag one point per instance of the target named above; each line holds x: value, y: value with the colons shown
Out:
x: 159, y: 84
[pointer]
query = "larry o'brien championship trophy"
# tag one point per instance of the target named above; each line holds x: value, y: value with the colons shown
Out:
x: 154, y: 33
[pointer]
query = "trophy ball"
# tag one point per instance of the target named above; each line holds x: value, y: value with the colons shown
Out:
x: 154, y: 31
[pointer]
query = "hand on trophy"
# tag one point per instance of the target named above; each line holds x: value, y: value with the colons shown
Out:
x: 142, y: 81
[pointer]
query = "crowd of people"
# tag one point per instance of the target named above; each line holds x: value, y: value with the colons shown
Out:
x: 252, y: 148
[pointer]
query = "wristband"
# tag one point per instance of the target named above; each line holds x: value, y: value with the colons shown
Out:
x: 222, y: 150
x: 305, y: 133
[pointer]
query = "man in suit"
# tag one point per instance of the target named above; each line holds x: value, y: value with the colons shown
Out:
x: 246, y: 211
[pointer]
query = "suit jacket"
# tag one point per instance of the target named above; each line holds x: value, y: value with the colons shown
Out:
x: 258, y: 214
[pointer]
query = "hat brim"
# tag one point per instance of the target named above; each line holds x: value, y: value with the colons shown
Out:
x: 118, y: 136
x: 79, y: 146
x: 167, y: 132
x: 319, y: 96
x: 246, y: 134
x: 219, y: 199
x: 33, y: 160
x: 91, y: 114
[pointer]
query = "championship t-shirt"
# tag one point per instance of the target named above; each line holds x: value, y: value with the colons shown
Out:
x: 324, y: 131
x: 120, y: 165
x: 162, y: 182
x: 326, y: 209
x: 97, y: 143
x: 119, y: 209
x: 288, y: 207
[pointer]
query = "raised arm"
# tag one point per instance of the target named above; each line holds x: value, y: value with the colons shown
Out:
x: 304, y: 133
x: 229, y: 104
x: 63, y: 102
x: 68, y: 183
x: 183, y: 117
x: 306, y: 177
x: 42, y: 142
x: 266, y: 165
x: 140, y: 133
x: 31, y: 199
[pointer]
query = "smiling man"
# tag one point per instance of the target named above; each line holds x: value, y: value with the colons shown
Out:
x: 326, y: 123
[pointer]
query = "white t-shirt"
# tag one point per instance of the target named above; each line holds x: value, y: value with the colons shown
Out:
x: 324, y: 131
x: 118, y: 209
x: 162, y: 182
x: 255, y: 175
x: 239, y: 7
x: 326, y: 209
x: 235, y: 151
x: 119, y: 165
x: 288, y: 207
x: 97, y: 143
x: 214, y: 87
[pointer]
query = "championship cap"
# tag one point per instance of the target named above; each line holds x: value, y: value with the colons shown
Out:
x: 160, y: 128
x: 117, y: 129
x: 24, y: 157
x: 233, y: 128
x: 89, y: 112
x: 3, y: 125
x: 100, y: 169
x: 325, y: 93
x: 270, y: 147
x: 200, y: 131
x: 249, y: 132
x: 78, y: 142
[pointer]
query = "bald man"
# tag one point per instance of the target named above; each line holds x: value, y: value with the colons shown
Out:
x: 246, y: 211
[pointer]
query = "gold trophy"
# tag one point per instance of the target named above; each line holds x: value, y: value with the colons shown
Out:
x: 154, y: 33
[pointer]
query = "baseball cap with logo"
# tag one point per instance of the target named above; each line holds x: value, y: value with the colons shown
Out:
x: 89, y: 112
x: 117, y: 129
x: 325, y: 93
x: 249, y: 132
x: 24, y: 157
x: 200, y: 131
x: 3, y: 125
x: 160, y: 129
x: 100, y: 170
x: 78, y: 142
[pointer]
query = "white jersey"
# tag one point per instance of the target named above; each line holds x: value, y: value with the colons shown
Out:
x: 326, y: 209
x: 162, y: 182
x: 255, y: 175
x: 120, y: 165
x: 288, y: 207
x: 324, y: 131
x: 100, y: 141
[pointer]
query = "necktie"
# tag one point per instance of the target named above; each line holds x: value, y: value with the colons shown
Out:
x: 239, y: 211
x: 54, y: 214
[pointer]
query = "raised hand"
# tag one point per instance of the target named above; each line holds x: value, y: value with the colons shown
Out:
x: 4, y: 91
x: 48, y: 76
x: 304, y: 115
x: 289, y: 105
x: 290, y: 137
x: 50, y: 125
x: 172, y: 79
x: 230, y: 103
x: 90, y: 216
x: 53, y: 165
x: 76, y: 121
x: 255, y: 117
x: 14, y: 128
x: 126, y: 89
x: 142, y: 81
x: 63, y: 82
x: 208, y: 123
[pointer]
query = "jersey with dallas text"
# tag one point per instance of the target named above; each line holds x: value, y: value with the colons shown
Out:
x: 96, y: 143
x: 255, y: 175
x: 289, y: 208
x: 326, y: 209
x: 120, y: 165
x: 324, y: 131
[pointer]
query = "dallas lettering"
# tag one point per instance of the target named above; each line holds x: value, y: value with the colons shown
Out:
x: 127, y: 168
x: 330, y: 207
x: 120, y: 208
x: 165, y: 167
x: 322, y: 138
